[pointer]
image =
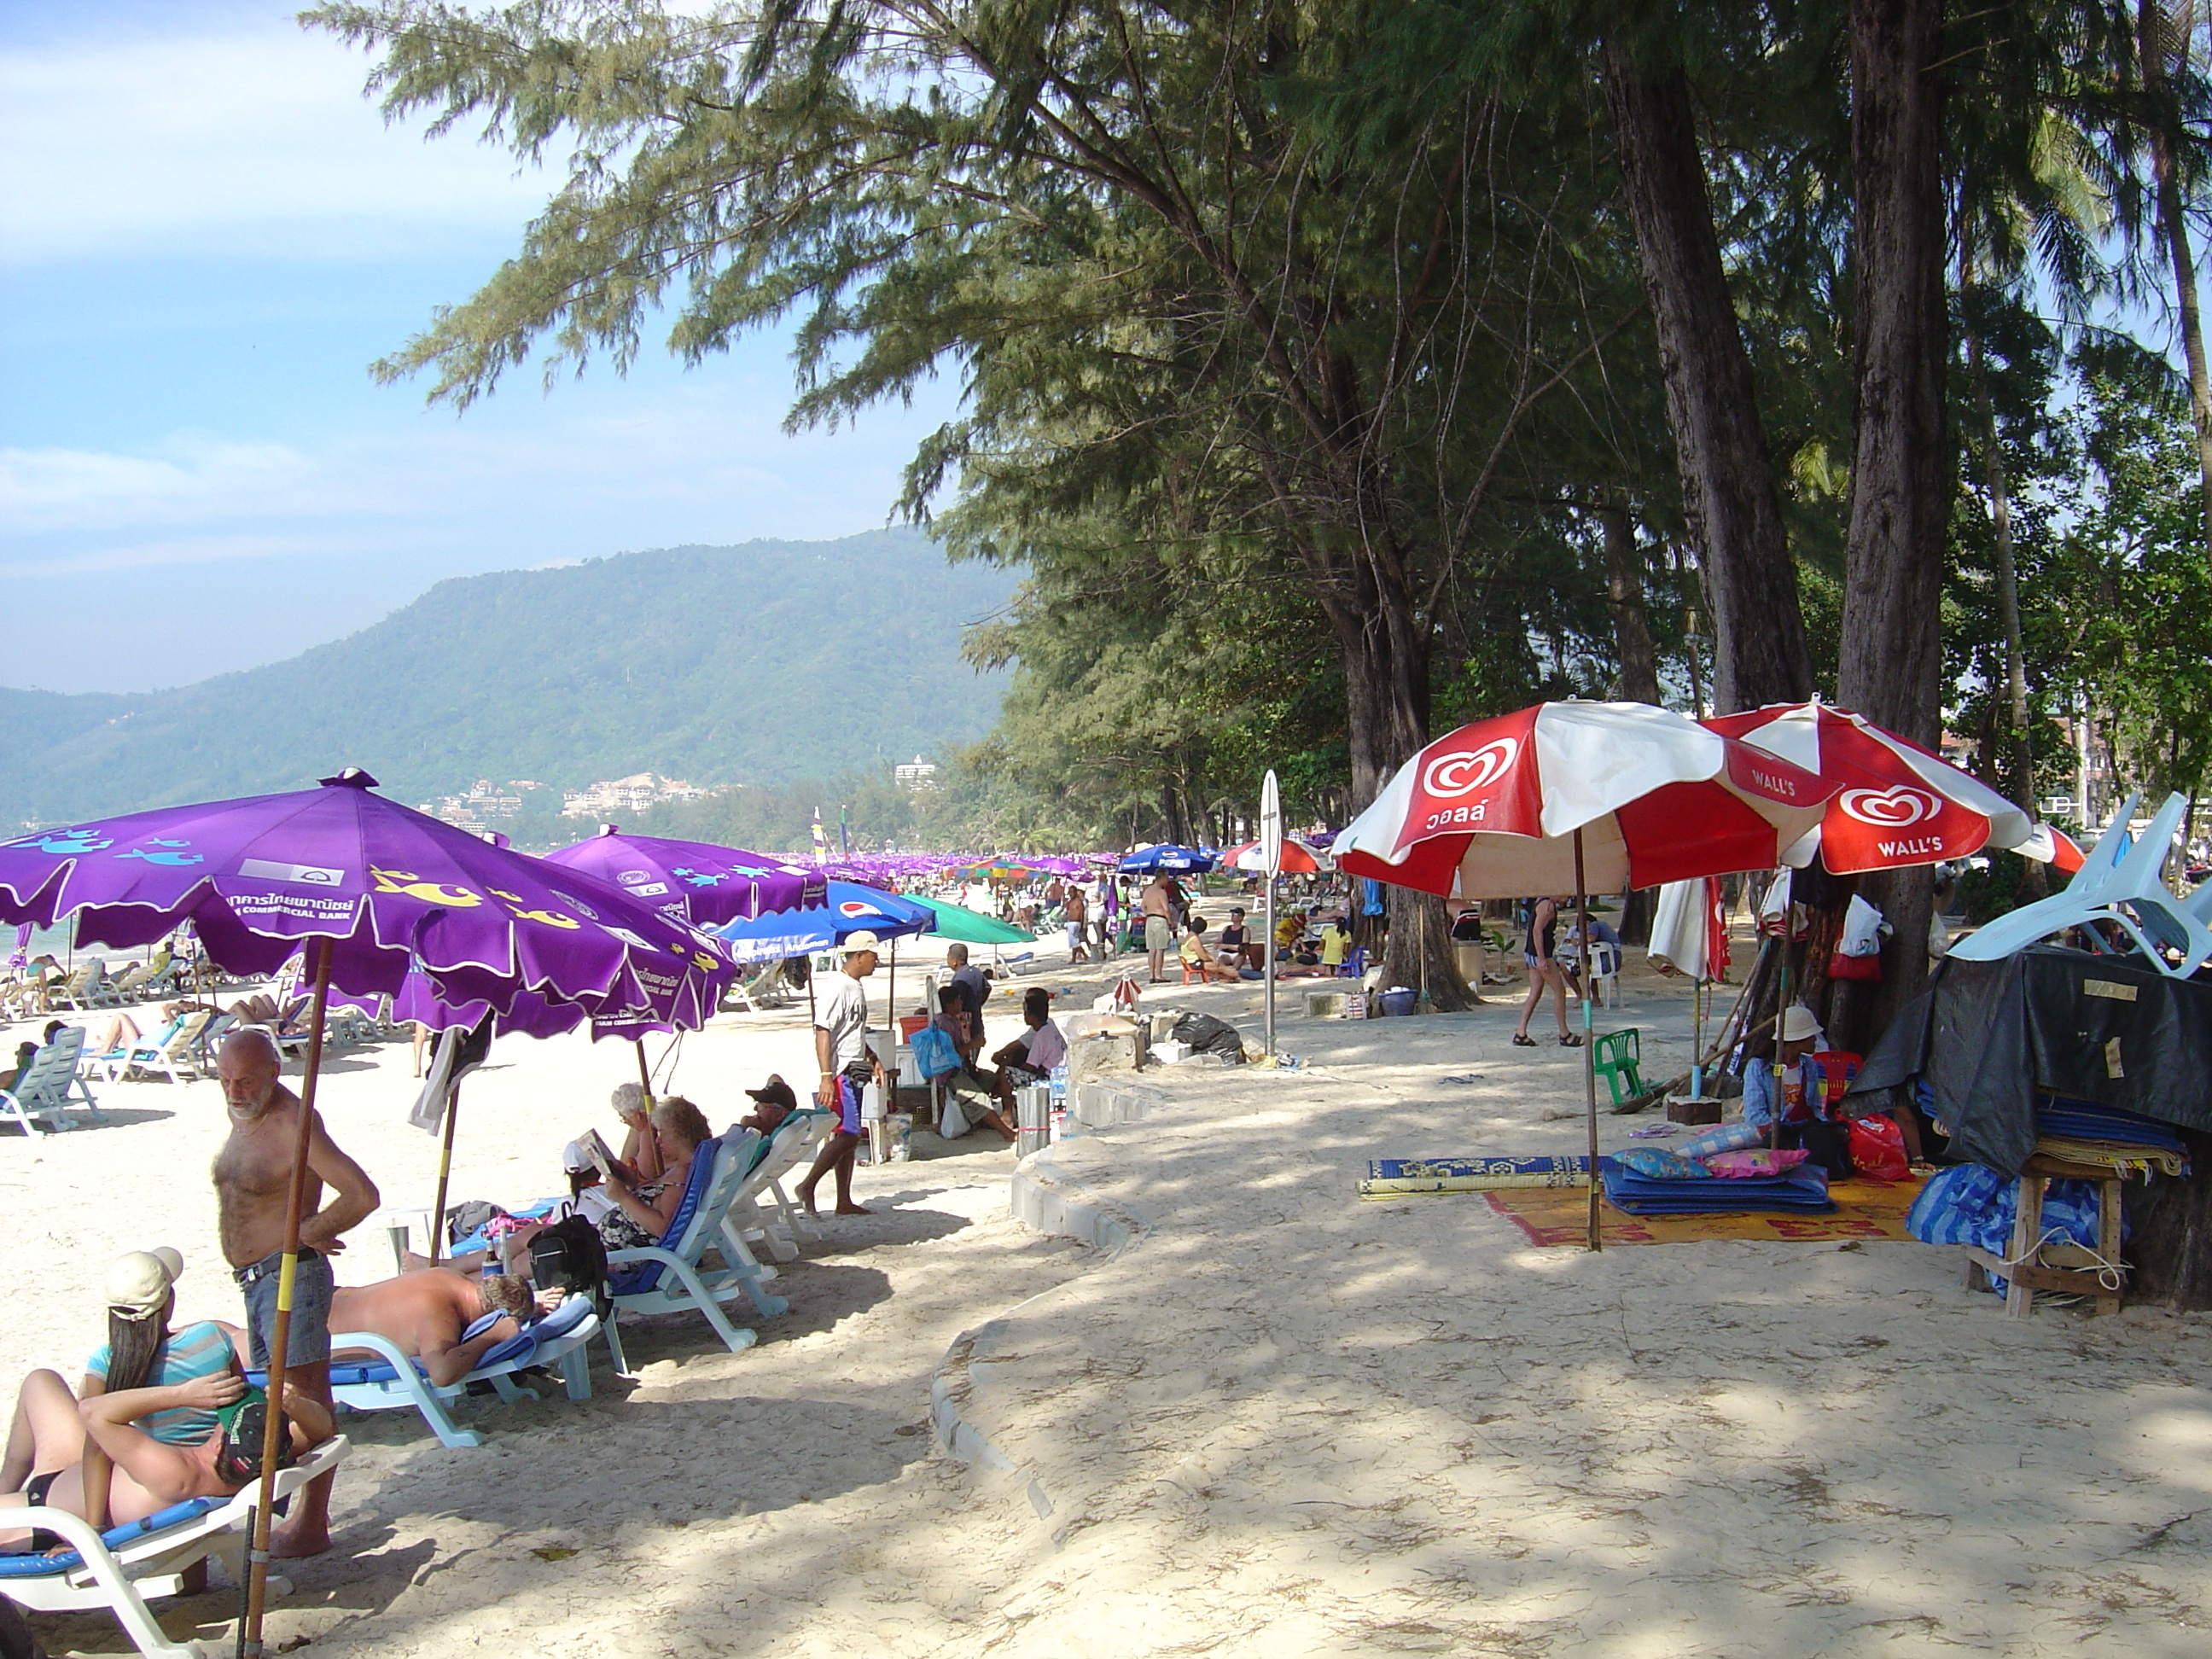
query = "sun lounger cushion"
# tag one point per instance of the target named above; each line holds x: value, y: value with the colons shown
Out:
x: 518, y: 1349
x: 15, y: 1566
x: 637, y: 1277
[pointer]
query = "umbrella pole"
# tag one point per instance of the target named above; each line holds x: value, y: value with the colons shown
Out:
x: 280, y: 1337
x: 1698, y: 1037
x: 644, y: 1074
x: 1589, y: 1040
x: 1781, y: 1009
x: 445, y: 1172
x: 1267, y: 967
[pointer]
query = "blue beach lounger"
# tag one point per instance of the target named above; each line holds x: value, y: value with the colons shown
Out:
x: 667, y: 1277
x: 394, y: 1382
x: 118, y: 1569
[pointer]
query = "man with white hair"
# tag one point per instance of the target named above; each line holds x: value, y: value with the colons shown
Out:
x: 252, y: 1188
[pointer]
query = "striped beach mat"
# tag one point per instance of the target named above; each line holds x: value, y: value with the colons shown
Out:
x: 1404, y: 1178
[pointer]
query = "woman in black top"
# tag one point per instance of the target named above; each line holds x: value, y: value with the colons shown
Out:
x: 1544, y: 969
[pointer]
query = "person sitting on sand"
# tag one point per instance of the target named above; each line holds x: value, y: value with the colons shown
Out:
x: 1198, y: 957
x: 431, y: 1313
x: 162, y: 1416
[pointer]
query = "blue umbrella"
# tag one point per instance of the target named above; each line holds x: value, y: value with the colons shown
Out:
x: 1144, y: 860
x: 848, y: 909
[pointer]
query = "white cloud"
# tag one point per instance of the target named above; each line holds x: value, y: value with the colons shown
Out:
x: 255, y: 141
x: 190, y: 477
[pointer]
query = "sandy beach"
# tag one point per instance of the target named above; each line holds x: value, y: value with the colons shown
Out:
x: 1276, y: 1420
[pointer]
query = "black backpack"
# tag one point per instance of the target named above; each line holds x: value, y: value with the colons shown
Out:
x: 569, y: 1255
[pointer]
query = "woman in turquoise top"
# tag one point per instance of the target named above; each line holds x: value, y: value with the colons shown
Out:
x: 150, y: 1428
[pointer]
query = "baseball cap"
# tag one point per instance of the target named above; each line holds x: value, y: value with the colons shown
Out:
x: 863, y: 940
x: 775, y: 1093
x: 138, y: 1281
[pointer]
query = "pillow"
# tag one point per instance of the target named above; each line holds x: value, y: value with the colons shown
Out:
x: 1750, y: 1165
x: 1722, y: 1138
x: 1657, y: 1163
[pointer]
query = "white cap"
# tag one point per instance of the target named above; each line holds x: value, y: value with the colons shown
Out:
x: 863, y: 940
x: 139, y: 1281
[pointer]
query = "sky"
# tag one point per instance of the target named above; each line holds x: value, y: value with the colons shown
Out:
x: 207, y: 233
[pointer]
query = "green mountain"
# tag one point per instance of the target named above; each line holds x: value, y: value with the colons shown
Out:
x: 766, y: 663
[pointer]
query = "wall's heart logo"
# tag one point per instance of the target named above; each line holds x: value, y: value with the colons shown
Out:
x: 1890, y: 809
x: 1463, y: 773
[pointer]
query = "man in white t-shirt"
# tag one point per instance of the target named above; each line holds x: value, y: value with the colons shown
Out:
x: 841, y: 1051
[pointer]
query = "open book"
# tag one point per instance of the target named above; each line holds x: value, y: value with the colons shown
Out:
x: 596, y: 1150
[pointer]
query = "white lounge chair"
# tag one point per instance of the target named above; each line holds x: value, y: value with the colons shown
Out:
x: 120, y: 1568
x: 2118, y: 885
x: 41, y: 1096
x: 395, y: 1382
x: 668, y: 1277
x: 761, y: 1208
x: 179, y: 1053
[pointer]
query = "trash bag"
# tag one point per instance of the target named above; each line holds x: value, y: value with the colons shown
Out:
x: 1204, y: 1034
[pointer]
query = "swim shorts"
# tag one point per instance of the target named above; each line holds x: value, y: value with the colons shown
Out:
x: 309, y: 1343
x: 1157, y: 936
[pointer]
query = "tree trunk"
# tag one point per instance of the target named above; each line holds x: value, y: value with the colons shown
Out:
x: 1386, y: 684
x: 1623, y: 595
x: 1902, y: 471
x: 2019, y: 763
x: 1729, y: 494
x: 2152, y: 35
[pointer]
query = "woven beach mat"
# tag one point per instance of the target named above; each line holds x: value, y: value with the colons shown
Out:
x: 1864, y: 1210
x: 1409, y: 1178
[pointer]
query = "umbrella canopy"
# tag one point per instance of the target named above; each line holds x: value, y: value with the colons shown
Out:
x: 530, y: 1015
x: 2053, y: 846
x: 390, y: 888
x: 1165, y: 855
x: 1490, y: 810
x: 849, y: 908
x: 703, y: 885
x: 1001, y: 872
x: 1299, y: 858
x: 1893, y: 804
x: 972, y: 926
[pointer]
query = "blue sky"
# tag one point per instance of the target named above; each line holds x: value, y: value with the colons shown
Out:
x: 206, y: 235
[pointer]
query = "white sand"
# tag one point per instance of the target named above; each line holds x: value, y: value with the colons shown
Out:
x: 1285, y: 1421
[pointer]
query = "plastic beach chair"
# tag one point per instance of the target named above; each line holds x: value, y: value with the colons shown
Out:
x: 41, y: 1096
x: 394, y: 1382
x: 2118, y: 885
x: 760, y: 1210
x: 1615, y: 1059
x: 120, y: 1568
x: 178, y: 1053
x: 668, y: 1277
x: 1835, y: 1067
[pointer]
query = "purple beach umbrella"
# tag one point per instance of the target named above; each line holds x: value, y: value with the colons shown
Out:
x: 368, y: 888
x: 706, y: 885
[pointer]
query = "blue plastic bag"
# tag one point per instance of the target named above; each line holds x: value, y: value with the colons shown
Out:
x: 935, y: 1053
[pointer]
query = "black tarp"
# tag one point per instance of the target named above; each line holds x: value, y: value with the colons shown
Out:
x: 1987, y: 1036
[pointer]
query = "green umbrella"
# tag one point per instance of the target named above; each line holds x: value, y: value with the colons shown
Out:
x: 958, y: 921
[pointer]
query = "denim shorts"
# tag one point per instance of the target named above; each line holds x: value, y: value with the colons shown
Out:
x: 310, y: 1339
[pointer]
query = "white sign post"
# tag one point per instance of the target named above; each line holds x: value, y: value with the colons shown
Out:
x: 1271, y: 859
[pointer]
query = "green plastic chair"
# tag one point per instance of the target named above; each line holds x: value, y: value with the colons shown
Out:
x: 1616, y: 1057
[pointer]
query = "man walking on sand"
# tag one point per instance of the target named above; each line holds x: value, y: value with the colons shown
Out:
x: 841, y: 1049
x: 252, y: 1188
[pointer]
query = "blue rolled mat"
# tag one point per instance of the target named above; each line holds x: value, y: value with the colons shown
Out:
x: 1804, y: 1191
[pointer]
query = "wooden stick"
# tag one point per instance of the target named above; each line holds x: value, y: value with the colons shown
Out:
x: 1587, y: 959
x: 280, y: 1337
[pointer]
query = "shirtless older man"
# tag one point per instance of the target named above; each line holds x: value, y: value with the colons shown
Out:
x: 253, y: 1182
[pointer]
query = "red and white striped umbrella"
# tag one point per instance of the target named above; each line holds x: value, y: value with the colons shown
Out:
x: 1491, y: 811
x: 1299, y: 858
x: 1893, y: 804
